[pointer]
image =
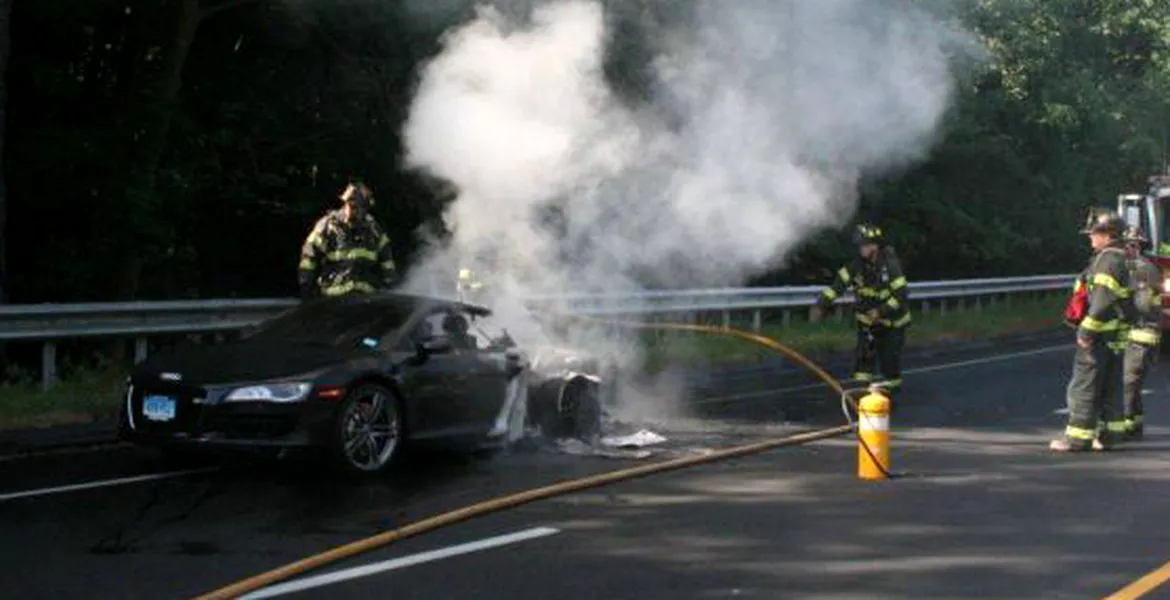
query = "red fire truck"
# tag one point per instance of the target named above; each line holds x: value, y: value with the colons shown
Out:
x: 1149, y: 211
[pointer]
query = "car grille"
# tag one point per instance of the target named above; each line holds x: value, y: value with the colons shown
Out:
x: 251, y: 427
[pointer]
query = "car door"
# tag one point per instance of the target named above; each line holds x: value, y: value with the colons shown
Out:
x: 439, y: 387
x: 483, y: 374
x: 489, y: 394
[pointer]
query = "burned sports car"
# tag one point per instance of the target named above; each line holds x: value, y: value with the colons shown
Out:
x: 359, y: 377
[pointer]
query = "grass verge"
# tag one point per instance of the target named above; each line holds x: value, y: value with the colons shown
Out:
x: 87, y: 396
x: 930, y: 329
x: 84, y: 397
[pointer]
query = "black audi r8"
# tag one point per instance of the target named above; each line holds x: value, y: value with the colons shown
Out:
x: 359, y: 377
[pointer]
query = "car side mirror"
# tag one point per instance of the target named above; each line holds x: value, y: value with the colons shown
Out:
x: 423, y: 349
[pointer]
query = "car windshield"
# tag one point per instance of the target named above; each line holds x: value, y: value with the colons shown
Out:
x: 477, y: 333
x: 342, y: 324
x: 491, y: 332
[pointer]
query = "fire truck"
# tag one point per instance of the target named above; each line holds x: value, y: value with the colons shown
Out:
x: 1149, y: 212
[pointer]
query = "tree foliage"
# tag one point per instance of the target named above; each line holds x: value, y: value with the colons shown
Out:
x: 170, y: 148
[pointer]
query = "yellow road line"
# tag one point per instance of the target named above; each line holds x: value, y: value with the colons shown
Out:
x: 1143, y: 586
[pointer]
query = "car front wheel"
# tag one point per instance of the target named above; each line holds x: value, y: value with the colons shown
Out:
x: 368, y: 429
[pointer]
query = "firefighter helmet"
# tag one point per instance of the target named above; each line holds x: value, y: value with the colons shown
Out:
x: 1134, y: 234
x: 358, y: 194
x: 867, y: 233
x: 1103, y: 220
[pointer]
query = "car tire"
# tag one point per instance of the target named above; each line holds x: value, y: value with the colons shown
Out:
x: 580, y: 412
x: 368, y: 431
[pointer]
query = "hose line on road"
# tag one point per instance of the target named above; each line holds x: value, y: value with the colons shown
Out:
x: 505, y: 502
x: 304, y: 565
x: 847, y: 400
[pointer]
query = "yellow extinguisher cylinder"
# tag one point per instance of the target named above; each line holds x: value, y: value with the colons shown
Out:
x: 873, y: 428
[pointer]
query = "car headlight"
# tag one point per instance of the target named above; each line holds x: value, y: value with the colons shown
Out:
x: 272, y: 392
x: 1166, y: 285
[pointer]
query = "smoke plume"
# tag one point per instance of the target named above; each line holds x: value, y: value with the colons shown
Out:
x: 741, y: 130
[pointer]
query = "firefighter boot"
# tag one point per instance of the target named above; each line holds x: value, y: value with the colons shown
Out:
x: 1067, y: 445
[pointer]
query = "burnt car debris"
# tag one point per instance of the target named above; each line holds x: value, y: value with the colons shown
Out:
x: 360, y: 377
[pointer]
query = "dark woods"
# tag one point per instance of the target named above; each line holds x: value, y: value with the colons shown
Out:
x: 177, y: 149
x: 182, y: 148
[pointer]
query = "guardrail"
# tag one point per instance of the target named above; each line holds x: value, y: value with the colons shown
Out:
x: 51, y: 323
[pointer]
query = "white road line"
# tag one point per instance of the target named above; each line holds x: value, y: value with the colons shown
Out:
x: 103, y: 483
x: 989, y: 359
x: 298, y: 585
x: 812, y: 386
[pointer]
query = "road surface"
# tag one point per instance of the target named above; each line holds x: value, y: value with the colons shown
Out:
x: 979, y: 509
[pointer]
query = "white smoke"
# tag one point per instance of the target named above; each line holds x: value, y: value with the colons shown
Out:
x: 763, y: 117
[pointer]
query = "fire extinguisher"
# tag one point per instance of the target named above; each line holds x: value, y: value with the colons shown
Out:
x: 1078, y: 304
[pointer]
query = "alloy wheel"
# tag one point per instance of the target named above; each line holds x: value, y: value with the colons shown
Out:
x: 371, y: 430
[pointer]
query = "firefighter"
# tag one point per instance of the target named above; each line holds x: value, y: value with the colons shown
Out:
x: 1095, y: 415
x: 468, y: 286
x: 1146, y: 336
x: 347, y: 251
x: 882, y: 308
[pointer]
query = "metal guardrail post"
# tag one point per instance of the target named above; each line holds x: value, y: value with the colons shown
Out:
x: 140, y: 349
x: 48, y: 365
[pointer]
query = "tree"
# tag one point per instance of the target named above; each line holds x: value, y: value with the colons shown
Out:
x: 158, y: 111
x: 5, y: 49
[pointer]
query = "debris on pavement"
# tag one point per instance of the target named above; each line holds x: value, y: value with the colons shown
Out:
x: 641, y: 439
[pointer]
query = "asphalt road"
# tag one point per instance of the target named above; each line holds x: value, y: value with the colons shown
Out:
x: 982, y: 509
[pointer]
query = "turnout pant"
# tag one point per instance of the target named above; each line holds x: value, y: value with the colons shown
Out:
x: 1138, y: 358
x: 1094, y: 394
x: 883, y: 346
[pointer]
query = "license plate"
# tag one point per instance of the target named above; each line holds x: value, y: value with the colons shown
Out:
x: 159, y: 408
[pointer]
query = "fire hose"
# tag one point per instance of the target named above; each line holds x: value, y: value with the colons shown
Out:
x: 517, y: 499
x: 847, y: 400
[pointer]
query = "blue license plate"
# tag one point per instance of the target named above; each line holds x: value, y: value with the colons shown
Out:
x: 159, y: 408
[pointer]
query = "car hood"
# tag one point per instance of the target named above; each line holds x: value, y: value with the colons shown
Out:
x: 235, y: 362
